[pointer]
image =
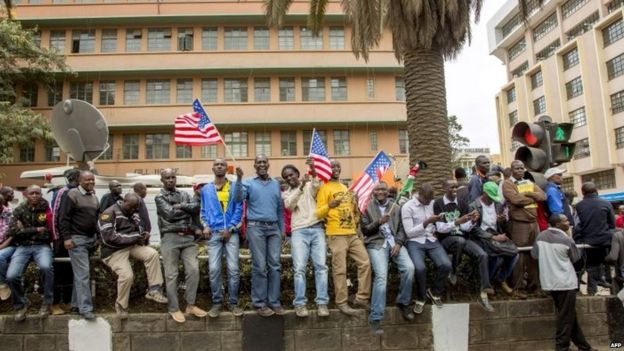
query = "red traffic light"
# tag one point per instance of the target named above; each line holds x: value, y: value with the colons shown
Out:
x: 528, y: 134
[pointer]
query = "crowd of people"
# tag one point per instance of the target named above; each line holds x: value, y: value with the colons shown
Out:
x: 486, y: 217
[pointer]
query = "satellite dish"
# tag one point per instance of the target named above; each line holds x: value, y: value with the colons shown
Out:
x: 79, y: 129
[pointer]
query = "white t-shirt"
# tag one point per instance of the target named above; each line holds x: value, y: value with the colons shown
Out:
x: 489, y: 216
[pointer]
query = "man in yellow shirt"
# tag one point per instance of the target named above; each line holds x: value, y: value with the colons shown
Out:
x: 335, y: 204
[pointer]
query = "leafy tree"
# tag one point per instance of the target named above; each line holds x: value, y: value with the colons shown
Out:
x: 456, y: 140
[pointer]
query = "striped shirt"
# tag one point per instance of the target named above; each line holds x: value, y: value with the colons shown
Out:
x: 5, y: 218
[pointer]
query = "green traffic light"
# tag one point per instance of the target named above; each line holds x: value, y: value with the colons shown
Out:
x: 560, y: 134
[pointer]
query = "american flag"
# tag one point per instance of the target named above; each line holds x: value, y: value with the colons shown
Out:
x: 363, y: 187
x: 319, y: 154
x: 195, y: 128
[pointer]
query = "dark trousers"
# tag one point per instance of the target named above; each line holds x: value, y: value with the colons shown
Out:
x: 524, y: 234
x: 63, y: 275
x: 567, y: 324
x: 458, y: 245
x: 595, y: 259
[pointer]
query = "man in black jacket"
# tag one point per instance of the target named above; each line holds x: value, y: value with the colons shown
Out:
x: 111, y: 198
x: 141, y: 190
x: 122, y: 238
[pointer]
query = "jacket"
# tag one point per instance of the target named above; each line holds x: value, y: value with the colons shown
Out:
x: 477, y: 232
x: 369, y: 225
x: 212, y: 214
x: 78, y: 214
x: 30, y: 218
x: 616, y: 255
x: 596, y: 221
x: 119, y: 229
x: 521, y: 207
x: 172, y: 220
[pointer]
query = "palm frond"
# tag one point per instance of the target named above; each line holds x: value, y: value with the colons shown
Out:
x: 9, y: 7
x: 275, y: 11
x: 317, y: 15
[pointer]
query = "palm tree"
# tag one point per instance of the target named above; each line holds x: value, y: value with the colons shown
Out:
x: 424, y: 34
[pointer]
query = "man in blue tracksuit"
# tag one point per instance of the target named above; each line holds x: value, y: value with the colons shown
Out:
x: 221, y: 217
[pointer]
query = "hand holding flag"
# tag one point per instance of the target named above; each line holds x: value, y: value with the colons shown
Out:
x: 320, y: 158
x: 363, y: 187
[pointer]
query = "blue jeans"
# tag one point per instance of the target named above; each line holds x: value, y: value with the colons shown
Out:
x: 265, y: 241
x: 505, y: 265
x: 5, y: 259
x: 310, y: 242
x: 174, y: 247
x: 379, y: 261
x: 42, y: 255
x: 436, y: 253
x: 81, y: 295
x: 216, y: 249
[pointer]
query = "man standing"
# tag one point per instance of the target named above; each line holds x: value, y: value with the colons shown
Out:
x: 112, y: 197
x: 6, y: 249
x: 122, y: 238
x: 177, y: 241
x: 221, y: 217
x: 336, y: 205
x: 556, y: 202
x: 556, y: 253
x: 475, y: 185
x: 307, y: 239
x: 265, y: 225
x: 384, y: 238
x: 619, y: 219
x: 141, y: 190
x: 522, y: 196
x: 78, y: 227
x: 8, y: 194
x: 30, y: 232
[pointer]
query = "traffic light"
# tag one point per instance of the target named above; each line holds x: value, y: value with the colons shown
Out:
x: 561, y: 150
x: 535, y: 154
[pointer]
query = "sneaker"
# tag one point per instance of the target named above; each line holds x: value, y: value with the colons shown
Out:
x: 57, y: 310
x: 346, y: 309
x: 178, y: 316
x: 279, y: 310
x: 44, y: 311
x: 375, y: 327
x: 156, y: 296
x: 236, y: 310
x: 5, y: 292
x: 264, y: 311
x: 122, y: 313
x: 452, y: 278
x: 195, y: 311
x: 301, y: 311
x: 20, y: 315
x: 485, y: 303
x: 88, y: 316
x: 322, y: 310
x: 419, y: 307
x: 406, y: 312
x: 436, y: 300
x: 506, y: 288
x: 362, y: 304
x: 214, y: 310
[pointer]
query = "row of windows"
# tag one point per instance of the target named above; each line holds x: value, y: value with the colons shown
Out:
x: 583, y: 26
x: 613, y: 32
x: 519, y: 71
x: 614, y: 5
x: 571, y: 6
x: 570, y: 59
x: 602, y: 179
x: 545, y: 27
x: 548, y: 51
x: 516, y: 49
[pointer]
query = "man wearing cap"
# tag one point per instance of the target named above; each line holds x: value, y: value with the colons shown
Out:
x: 556, y: 202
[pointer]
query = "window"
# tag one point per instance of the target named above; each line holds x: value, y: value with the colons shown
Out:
x: 209, y: 90
x: 237, y: 142
x: 372, y: 137
x: 287, y: 89
x: 613, y: 32
x: 511, y: 95
x: 307, y: 138
x: 37, y: 38
x: 108, y: 153
x: 157, y: 146
x: 159, y: 39
x: 158, y: 91
x: 603, y: 179
x: 570, y: 59
x: 578, y: 117
x: 519, y: 71
x: 133, y: 40
x: 619, y: 137
x: 370, y: 88
x: 341, y: 142
x: 336, y: 38
x: 184, y: 91
x: 614, y: 5
x: 30, y: 94
x: 236, y: 38
x: 261, y: 38
x: 574, y: 88
x: 209, y: 38
x: 545, y: 27
x: 403, y: 141
x: 262, y: 89
x: 539, y: 105
x: 286, y: 38
x: 516, y: 49
x: 584, y: 26
x: 537, y: 80
x: 83, y: 41
x: 288, y: 143
x: 615, y: 66
x: 107, y: 92
x: 52, y: 152
x: 548, y: 51
x: 313, y: 89
x: 235, y: 90
x: 513, y: 118
x: 81, y: 90
x: 399, y: 89
x: 617, y: 102
x: 571, y: 6
x: 27, y: 153
x: 512, y: 24
x: 567, y: 184
x: 130, y: 147
x: 131, y: 92
x: 309, y: 41
x: 208, y: 152
x: 184, y: 151
x: 185, y: 39
x: 109, y: 40
x: 339, y: 89
x: 582, y: 149
x: 55, y: 93
x: 263, y: 143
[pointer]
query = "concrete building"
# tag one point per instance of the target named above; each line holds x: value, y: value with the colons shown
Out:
x: 566, y: 62
x: 143, y: 62
x: 466, y: 157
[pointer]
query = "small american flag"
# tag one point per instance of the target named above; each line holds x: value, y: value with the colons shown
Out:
x: 363, y: 187
x: 195, y: 128
x: 319, y: 154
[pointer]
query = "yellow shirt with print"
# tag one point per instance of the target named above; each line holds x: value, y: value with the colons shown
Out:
x: 340, y: 220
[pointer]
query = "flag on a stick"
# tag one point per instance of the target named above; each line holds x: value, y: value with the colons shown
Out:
x: 196, y: 128
x: 363, y: 187
x: 318, y: 153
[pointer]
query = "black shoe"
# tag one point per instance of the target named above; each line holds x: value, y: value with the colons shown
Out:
x: 604, y: 284
x: 406, y: 312
x: 375, y: 327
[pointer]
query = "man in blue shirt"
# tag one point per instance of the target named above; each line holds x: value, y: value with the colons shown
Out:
x: 556, y: 202
x: 265, y: 225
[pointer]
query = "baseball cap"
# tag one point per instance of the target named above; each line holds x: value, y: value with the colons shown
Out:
x: 552, y: 171
x: 491, y: 189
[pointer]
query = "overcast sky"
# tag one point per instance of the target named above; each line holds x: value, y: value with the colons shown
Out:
x: 472, y: 80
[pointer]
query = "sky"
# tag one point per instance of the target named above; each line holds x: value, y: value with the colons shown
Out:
x: 472, y: 81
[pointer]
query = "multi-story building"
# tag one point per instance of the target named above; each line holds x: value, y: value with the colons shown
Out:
x: 143, y: 62
x: 567, y: 62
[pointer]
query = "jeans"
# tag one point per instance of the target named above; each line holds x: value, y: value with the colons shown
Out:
x: 216, y: 249
x: 42, y: 255
x: 458, y: 245
x: 310, y: 242
x: 265, y: 241
x: 81, y: 295
x: 379, y: 261
x: 5, y: 259
x: 440, y: 259
x: 174, y: 247
x: 504, y: 265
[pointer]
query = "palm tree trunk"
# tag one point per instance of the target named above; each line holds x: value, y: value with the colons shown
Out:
x: 427, y: 121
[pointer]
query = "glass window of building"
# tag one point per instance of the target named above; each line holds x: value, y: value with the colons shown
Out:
x: 313, y: 89
x: 336, y: 38
x: 131, y: 92
x: 519, y: 71
x: 209, y: 38
x: 286, y: 38
x: 339, y: 89
x: 615, y: 66
x: 83, y: 41
x: 37, y: 38
x: 108, y: 153
x: 578, y: 117
x: 235, y: 38
x: 107, y: 92
x: 617, y: 102
x: 261, y: 38
x: 309, y: 41
x: 583, y: 26
x: 307, y: 138
x: 516, y: 49
x: 513, y: 118
x: 545, y: 27
x: 571, y: 6
x: 511, y: 95
x: 235, y: 90
x: 27, y: 153
x: 614, y: 5
x: 602, y: 179
x: 262, y: 89
x: 613, y: 32
x: 288, y: 143
x: 82, y: 91
x: 185, y: 39
x: 55, y: 93
x: 157, y: 146
x: 263, y: 143
x: 130, y: 147
x: 52, y: 152
x: 158, y: 91
x: 184, y: 91
x: 537, y: 80
x: 208, y: 152
x: 109, y: 40
x: 548, y: 51
x: 399, y: 89
x: 509, y: 26
x: 134, y: 36
x: 159, y: 39
x: 287, y: 89
x: 539, y: 105
x: 30, y: 93
x: 372, y: 138
x: 209, y: 90
x: 237, y: 142
x: 184, y: 151
x: 574, y: 88
x: 341, y: 142
x: 570, y: 59
x: 619, y: 137
x: 403, y: 141
x: 582, y: 149
x: 370, y: 88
